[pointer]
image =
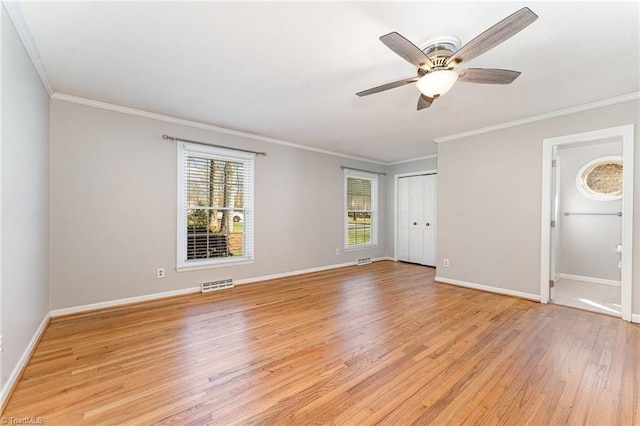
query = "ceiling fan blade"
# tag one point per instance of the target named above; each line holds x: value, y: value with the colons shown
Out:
x: 424, y: 102
x: 387, y: 86
x: 406, y: 50
x: 488, y: 76
x: 495, y: 35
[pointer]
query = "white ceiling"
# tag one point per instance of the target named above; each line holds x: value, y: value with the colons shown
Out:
x: 290, y: 70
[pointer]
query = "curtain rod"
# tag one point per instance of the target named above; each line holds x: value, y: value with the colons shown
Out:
x: 166, y: 137
x: 361, y: 170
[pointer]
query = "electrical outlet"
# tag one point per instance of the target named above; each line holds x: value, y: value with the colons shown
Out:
x: 160, y: 273
x: 337, y: 252
x: 445, y: 263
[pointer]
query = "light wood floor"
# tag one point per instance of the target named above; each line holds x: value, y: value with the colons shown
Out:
x: 357, y: 345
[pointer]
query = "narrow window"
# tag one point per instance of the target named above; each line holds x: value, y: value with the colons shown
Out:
x: 361, y: 209
x: 215, y: 206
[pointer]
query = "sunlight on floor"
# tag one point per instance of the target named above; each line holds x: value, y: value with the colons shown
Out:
x: 584, y: 295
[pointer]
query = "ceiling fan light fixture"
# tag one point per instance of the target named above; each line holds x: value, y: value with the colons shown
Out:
x: 437, y: 83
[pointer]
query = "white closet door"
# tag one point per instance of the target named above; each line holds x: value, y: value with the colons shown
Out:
x: 416, y: 216
x: 403, y: 219
x: 429, y: 221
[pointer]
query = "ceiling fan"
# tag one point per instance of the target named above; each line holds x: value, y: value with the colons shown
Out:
x: 437, y: 60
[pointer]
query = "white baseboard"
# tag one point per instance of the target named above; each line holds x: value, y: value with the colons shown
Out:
x: 304, y: 271
x: 22, y: 362
x: 148, y: 297
x: 490, y: 289
x: 635, y: 317
x: 293, y: 273
x: 119, y: 302
x: 589, y: 279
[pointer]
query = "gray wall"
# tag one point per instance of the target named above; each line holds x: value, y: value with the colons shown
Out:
x: 489, y: 200
x: 392, y: 171
x: 25, y: 200
x: 587, y: 245
x: 113, y: 207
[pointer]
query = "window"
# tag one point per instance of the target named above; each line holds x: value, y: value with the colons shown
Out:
x: 601, y: 179
x: 215, y: 206
x: 361, y: 209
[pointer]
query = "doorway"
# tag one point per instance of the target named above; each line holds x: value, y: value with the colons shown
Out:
x: 586, y: 249
x: 586, y: 240
x: 416, y: 218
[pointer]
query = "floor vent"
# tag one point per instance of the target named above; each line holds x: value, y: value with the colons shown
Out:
x: 364, y: 261
x: 216, y: 285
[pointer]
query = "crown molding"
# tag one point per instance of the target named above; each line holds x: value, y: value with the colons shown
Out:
x: 198, y: 125
x: 411, y: 160
x: 546, y: 116
x: 204, y: 126
x: 15, y: 14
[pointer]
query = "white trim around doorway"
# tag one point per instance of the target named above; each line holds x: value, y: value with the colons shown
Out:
x: 627, y: 135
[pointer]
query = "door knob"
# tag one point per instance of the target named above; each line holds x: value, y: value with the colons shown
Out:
x: 415, y: 223
x: 427, y: 224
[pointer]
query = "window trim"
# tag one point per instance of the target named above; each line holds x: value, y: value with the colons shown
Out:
x: 184, y: 149
x: 374, y: 178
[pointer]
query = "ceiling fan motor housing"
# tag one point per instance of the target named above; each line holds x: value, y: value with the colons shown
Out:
x: 439, y: 49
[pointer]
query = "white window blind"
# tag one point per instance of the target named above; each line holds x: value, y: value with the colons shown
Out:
x: 361, y: 209
x: 215, y: 205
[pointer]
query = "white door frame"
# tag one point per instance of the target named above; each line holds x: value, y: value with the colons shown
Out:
x: 395, y: 205
x: 627, y: 134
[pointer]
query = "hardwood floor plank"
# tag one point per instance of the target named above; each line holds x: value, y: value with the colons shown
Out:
x: 374, y: 344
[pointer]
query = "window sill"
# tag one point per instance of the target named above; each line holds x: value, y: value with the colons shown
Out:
x: 362, y: 247
x: 239, y: 262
